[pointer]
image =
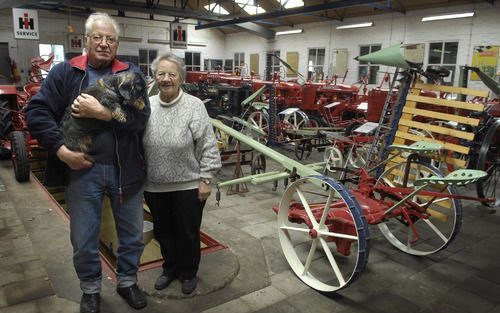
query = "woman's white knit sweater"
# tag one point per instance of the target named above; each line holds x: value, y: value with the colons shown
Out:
x: 179, y: 144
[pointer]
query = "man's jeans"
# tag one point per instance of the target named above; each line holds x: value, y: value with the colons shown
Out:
x: 84, y: 197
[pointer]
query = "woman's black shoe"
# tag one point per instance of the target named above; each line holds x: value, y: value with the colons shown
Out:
x: 163, y: 281
x: 189, y: 285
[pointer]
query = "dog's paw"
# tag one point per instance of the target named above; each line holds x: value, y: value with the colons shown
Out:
x: 139, y: 104
x: 119, y: 115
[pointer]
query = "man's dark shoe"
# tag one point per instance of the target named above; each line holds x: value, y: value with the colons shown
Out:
x: 163, y: 281
x: 134, y: 296
x: 189, y: 285
x: 90, y: 303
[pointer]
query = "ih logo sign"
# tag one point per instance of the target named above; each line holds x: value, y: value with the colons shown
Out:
x: 178, y: 35
x: 25, y: 24
x: 75, y: 43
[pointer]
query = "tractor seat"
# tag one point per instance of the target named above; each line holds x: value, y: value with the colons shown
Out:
x: 419, y: 147
x: 459, y: 177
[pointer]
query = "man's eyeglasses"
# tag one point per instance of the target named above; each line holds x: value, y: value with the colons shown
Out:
x: 99, y: 38
x: 169, y: 75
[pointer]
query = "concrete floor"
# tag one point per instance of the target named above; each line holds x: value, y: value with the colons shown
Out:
x: 252, y: 274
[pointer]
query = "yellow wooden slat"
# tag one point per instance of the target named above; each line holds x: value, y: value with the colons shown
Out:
x: 447, y: 146
x: 447, y: 103
x: 438, y: 129
x: 453, y: 89
x: 442, y: 116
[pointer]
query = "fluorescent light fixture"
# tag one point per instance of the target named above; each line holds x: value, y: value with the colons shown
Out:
x: 130, y: 39
x: 289, y: 32
x: 447, y: 16
x: 359, y: 25
x: 197, y: 44
x: 160, y: 41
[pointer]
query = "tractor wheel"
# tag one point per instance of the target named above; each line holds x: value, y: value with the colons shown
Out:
x: 425, y: 232
x: 20, y: 158
x: 316, y: 121
x: 323, y: 233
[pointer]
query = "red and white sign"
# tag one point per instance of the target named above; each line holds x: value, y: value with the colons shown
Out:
x: 25, y: 24
x: 178, y: 35
x: 75, y: 42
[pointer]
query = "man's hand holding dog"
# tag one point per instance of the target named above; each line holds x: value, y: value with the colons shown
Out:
x: 75, y: 160
x: 87, y: 106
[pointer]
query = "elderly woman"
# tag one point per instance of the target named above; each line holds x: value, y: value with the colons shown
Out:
x: 181, y: 158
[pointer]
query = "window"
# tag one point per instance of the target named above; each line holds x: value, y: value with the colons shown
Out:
x: 239, y: 58
x: 366, y: 70
x: 213, y: 64
x: 146, y: 57
x: 192, y: 60
x: 316, y: 63
x: 215, y: 8
x: 444, y: 54
x: 45, y: 51
x: 250, y: 7
x: 272, y: 63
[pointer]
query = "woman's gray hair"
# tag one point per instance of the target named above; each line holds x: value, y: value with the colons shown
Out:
x: 103, y: 17
x: 168, y: 56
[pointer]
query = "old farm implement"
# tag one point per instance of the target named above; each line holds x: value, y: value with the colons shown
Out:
x: 323, y: 226
x: 16, y: 141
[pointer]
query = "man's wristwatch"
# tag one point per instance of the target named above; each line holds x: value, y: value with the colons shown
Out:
x: 205, y: 180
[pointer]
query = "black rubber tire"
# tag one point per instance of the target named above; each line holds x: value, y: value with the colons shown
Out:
x: 316, y: 121
x: 489, y: 161
x: 20, y: 157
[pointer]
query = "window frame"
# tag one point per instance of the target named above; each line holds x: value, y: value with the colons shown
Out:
x: 450, y: 66
x: 370, y: 70
x: 192, y: 65
x: 149, y: 59
x: 313, y: 65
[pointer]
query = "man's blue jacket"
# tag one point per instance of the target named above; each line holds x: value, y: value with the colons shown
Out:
x: 44, y: 113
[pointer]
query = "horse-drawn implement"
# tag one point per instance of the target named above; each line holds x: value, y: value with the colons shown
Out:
x: 323, y: 226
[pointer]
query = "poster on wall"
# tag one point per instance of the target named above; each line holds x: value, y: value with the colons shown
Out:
x: 25, y: 24
x: 485, y: 58
x: 178, y: 35
x: 76, y: 43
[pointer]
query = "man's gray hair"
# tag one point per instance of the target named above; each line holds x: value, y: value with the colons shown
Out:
x: 168, y: 56
x: 103, y: 17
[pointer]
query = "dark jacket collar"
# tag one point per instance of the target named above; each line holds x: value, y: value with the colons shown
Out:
x: 81, y: 63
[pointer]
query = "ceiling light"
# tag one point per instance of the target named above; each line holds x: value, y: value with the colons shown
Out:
x: 369, y: 24
x: 289, y: 32
x: 447, y: 16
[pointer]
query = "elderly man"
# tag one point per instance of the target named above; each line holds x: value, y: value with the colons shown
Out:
x: 113, y: 166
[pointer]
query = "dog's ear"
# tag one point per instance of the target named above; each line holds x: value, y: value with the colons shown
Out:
x: 125, y: 86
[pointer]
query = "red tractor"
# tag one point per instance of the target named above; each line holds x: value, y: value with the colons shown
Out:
x: 15, y: 140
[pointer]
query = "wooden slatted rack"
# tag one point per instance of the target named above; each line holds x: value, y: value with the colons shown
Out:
x: 424, y: 115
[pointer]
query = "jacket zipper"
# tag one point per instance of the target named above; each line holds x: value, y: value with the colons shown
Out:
x: 119, y: 167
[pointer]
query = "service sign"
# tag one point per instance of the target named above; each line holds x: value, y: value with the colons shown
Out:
x: 25, y: 24
x: 178, y: 35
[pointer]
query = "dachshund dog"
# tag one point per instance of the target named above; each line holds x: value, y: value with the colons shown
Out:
x: 123, y: 90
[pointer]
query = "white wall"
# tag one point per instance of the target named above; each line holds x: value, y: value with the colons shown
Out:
x: 389, y: 29
x: 52, y: 30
